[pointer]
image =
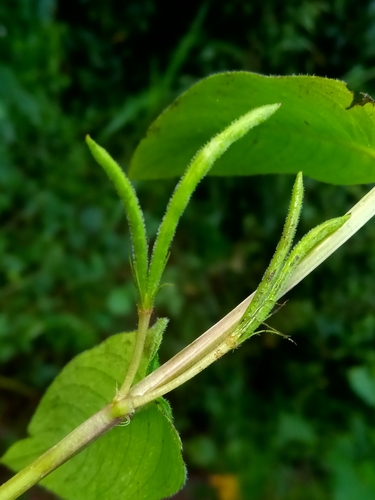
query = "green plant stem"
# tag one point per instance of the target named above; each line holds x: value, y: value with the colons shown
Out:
x: 185, y: 365
x: 195, y: 352
x: 143, y: 324
x: 76, y: 441
x: 270, y: 289
x: 360, y: 214
x: 201, y: 363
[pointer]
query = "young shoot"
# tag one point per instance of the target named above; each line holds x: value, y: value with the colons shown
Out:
x: 133, y: 212
x: 198, y: 168
x: 148, y: 279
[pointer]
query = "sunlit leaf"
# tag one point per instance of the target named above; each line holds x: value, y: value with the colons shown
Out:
x: 321, y: 129
x: 140, y: 461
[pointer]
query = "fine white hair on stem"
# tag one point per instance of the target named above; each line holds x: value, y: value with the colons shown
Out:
x: 197, y: 169
x: 361, y: 213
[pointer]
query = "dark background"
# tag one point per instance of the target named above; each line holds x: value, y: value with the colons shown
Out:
x: 281, y: 421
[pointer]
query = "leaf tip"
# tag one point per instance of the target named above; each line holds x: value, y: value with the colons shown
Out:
x: 90, y: 143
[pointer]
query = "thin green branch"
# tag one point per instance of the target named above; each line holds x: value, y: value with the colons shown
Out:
x: 269, y: 291
x: 73, y: 443
x: 182, y: 366
x: 143, y: 324
x: 185, y: 365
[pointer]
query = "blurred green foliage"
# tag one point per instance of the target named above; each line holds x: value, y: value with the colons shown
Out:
x: 291, y: 422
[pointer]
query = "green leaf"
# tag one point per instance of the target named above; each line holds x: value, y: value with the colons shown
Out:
x: 140, y: 461
x: 133, y: 211
x: 200, y: 165
x: 313, y: 131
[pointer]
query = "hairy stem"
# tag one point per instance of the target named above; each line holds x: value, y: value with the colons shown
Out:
x: 361, y: 213
x: 143, y: 324
x: 73, y: 443
x: 171, y: 383
x: 185, y: 365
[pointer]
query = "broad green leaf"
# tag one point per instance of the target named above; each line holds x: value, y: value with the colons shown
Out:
x: 313, y: 131
x: 140, y: 461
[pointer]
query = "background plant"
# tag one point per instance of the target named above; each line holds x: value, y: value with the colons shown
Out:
x: 64, y: 261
